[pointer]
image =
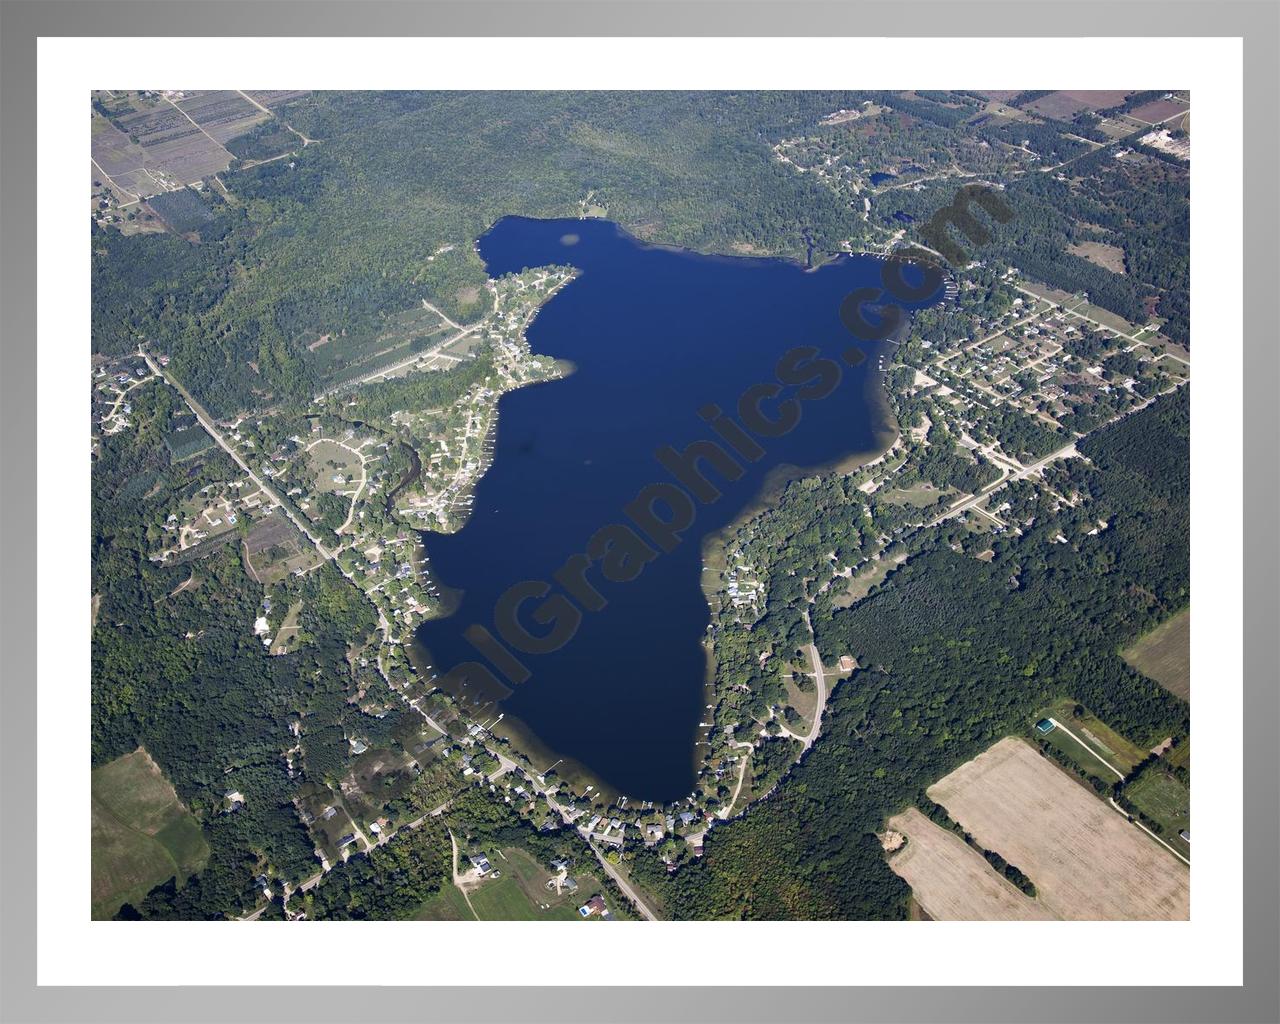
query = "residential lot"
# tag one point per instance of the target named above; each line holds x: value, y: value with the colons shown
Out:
x: 1086, y: 860
x: 951, y: 880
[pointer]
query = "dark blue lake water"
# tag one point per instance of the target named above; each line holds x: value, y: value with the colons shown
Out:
x: 656, y: 335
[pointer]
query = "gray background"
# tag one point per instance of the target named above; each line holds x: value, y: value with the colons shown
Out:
x: 22, y: 22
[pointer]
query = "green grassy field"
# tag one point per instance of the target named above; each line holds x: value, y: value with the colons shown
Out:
x: 1164, y: 654
x: 1163, y: 799
x: 518, y: 894
x: 141, y: 834
x: 1120, y: 751
x: 860, y: 585
x: 329, y: 459
x: 447, y: 905
x: 920, y: 495
x: 1078, y: 753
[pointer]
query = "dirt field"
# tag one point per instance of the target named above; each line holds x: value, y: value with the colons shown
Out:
x: 276, y: 548
x: 950, y: 880
x: 1164, y: 654
x: 1157, y: 111
x: 1087, y: 861
x: 1065, y: 104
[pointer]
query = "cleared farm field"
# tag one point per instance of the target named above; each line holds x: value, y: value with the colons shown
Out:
x: 1164, y: 654
x: 1087, y: 861
x: 950, y: 880
x: 1157, y: 111
x: 1066, y: 103
x: 222, y: 114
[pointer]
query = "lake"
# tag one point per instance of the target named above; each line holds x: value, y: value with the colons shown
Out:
x: 656, y: 336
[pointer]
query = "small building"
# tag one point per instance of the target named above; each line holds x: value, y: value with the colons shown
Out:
x: 1185, y: 836
x: 595, y: 905
x: 1045, y: 726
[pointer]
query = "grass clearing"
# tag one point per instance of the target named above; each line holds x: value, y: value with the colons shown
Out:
x: 287, y: 635
x: 1121, y: 752
x: 520, y: 893
x: 1109, y: 257
x: 920, y: 495
x: 337, y: 469
x: 1078, y: 753
x: 860, y: 585
x: 1164, y: 654
x: 1166, y: 801
x: 141, y: 835
x: 447, y: 905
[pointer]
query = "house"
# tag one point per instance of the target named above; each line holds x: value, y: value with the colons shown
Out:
x: 481, y: 863
x: 346, y: 840
x: 1046, y: 726
x: 595, y: 905
x: 1185, y: 836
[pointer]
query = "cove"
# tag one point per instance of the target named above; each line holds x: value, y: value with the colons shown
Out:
x: 656, y: 335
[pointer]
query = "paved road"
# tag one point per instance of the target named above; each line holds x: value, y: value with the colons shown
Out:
x: 1065, y: 452
x: 622, y: 882
x: 206, y: 421
x: 821, y: 680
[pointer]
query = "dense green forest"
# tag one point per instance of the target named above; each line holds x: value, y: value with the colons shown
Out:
x: 957, y: 653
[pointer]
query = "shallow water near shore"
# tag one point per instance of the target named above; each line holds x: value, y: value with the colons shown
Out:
x: 656, y: 335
